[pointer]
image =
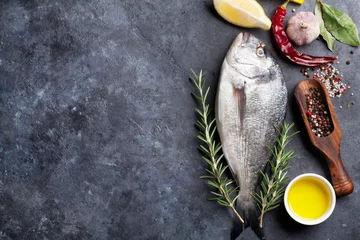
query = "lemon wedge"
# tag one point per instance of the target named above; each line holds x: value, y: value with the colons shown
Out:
x: 243, y: 13
x: 297, y: 1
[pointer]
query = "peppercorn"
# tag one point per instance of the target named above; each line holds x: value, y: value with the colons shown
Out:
x: 317, y: 114
x: 347, y: 62
x: 332, y: 79
x: 352, y: 52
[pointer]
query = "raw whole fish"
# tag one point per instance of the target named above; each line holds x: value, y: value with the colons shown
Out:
x: 250, y: 102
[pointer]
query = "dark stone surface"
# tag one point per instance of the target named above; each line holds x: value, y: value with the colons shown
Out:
x: 97, y: 137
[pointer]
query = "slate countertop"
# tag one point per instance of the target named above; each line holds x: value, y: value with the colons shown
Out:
x: 97, y: 135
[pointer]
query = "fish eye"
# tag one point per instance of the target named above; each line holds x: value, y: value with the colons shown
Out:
x: 260, y: 51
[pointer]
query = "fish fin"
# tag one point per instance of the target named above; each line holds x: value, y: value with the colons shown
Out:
x: 251, y: 219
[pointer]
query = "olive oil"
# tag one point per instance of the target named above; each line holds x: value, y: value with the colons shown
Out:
x: 309, y: 198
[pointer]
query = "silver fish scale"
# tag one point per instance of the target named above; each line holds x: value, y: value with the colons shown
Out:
x: 251, y: 101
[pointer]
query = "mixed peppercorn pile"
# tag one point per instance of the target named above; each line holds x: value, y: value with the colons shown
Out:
x: 318, y: 114
x: 330, y: 76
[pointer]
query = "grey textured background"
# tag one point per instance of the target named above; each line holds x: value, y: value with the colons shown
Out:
x: 97, y: 135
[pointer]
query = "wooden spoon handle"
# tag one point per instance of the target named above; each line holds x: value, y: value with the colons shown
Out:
x: 340, y: 179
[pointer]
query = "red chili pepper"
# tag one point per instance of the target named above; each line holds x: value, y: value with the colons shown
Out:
x: 287, y: 48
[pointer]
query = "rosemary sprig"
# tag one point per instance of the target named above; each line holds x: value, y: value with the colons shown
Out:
x: 225, y: 194
x: 272, y: 188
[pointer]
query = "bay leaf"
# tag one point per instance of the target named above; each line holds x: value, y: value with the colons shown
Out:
x: 340, y: 25
x: 326, y: 35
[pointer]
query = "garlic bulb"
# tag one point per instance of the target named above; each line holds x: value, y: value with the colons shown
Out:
x: 303, y: 28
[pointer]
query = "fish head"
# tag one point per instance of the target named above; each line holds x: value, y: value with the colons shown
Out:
x: 248, y: 57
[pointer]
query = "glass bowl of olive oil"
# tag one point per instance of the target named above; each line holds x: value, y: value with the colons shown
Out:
x: 309, y: 199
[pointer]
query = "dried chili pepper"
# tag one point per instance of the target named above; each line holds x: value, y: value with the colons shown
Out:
x: 287, y: 48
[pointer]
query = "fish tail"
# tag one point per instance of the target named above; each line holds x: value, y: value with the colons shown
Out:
x: 251, y: 219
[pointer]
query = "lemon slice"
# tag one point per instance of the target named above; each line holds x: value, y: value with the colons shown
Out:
x: 244, y: 13
x: 297, y: 1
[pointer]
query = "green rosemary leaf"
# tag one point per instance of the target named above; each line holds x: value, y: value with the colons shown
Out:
x: 217, y: 149
x: 262, y: 173
x: 256, y: 197
x: 271, y: 191
x: 259, y: 207
x: 279, y: 131
x: 207, y: 160
x: 233, y: 190
x: 229, y: 182
x: 222, y: 170
x: 262, y: 184
x: 217, y: 162
x: 261, y: 195
x: 213, y: 183
x: 196, y: 96
x: 281, y: 191
x: 234, y: 200
x: 216, y: 194
x: 210, y: 172
x: 222, y: 202
x: 212, y: 123
x: 204, y: 149
x: 207, y: 92
x: 194, y: 74
x: 213, y: 199
x: 220, y: 158
x: 202, y: 84
x: 206, y: 110
x: 272, y: 207
x: 293, y: 134
x: 213, y: 146
x: 272, y: 165
x: 266, y: 178
x: 200, y: 125
x: 277, y: 198
x: 282, y: 177
x: 275, y: 152
x: 204, y: 177
x: 226, y: 195
x: 213, y: 134
x: 199, y: 112
x: 201, y: 138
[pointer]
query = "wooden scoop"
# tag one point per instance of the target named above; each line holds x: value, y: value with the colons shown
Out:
x: 329, y: 146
